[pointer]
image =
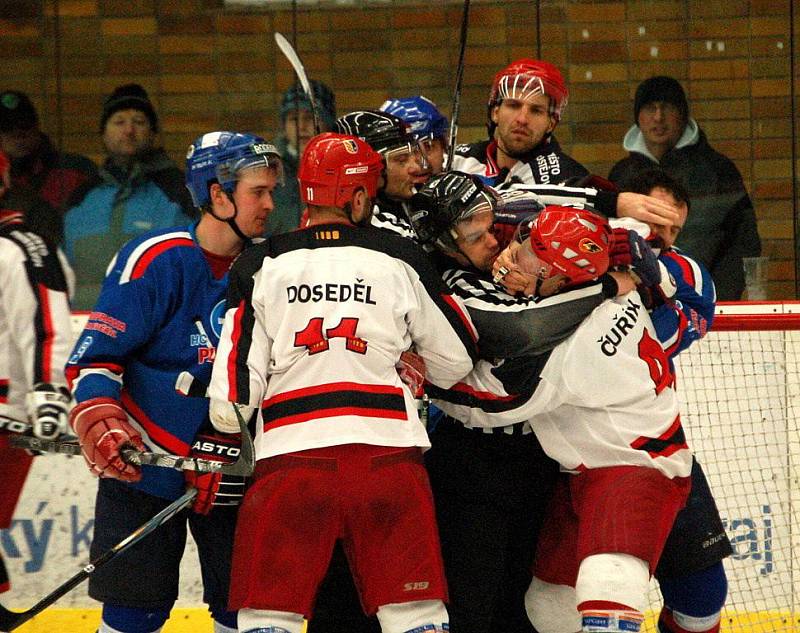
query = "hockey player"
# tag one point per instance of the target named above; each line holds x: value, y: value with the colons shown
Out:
x: 158, y: 317
x: 406, y: 166
x: 489, y: 515
x: 690, y: 573
x: 317, y: 320
x: 622, y: 445
x: 428, y: 125
x: 510, y: 389
x: 35, y: 338
x: 526, y: 102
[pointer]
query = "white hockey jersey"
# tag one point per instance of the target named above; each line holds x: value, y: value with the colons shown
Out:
x: 35, y: 326
x: 604, y: 397
x: 315, y: 322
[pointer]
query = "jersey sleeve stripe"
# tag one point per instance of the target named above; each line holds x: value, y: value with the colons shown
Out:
x: 466, y: 322
x: 45, y: 335
x: 75, y: 373
x: 143, y: 255
x: 481, y: 395
x: 164, y: 439
x: 233, y: 357
x: 687, y: 270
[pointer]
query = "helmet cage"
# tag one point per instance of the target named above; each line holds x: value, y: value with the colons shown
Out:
x: 573, y: 242
x: 524, y: 79
x: 445, y: 201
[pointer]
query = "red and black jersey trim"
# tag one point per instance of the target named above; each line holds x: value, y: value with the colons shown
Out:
x: 666, y: 444
x: 3, y: 391
x: 333, y: 400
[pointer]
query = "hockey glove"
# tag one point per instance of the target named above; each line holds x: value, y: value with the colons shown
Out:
x: 630, y: 250
x: 48, y: 408
x: 215, y: 489
x: 411, y: 368
x: 103, y: 429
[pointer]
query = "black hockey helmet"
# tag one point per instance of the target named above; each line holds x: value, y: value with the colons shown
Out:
x: 444, y: 201
x: 382, y: 131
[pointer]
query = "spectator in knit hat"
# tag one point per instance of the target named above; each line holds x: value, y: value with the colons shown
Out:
x: 721, y: 229
x: 139, y: 189
x: 297, y: 128
x: 38, y: 169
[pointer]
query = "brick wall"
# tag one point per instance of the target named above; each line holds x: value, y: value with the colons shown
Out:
x: 207, y: 66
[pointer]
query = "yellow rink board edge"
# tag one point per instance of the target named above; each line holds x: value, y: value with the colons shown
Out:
x: 197, y: 620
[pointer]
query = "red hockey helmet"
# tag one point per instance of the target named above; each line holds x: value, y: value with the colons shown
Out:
x: 333, y: 166
x: 571, y: 242
x: 525, y: 78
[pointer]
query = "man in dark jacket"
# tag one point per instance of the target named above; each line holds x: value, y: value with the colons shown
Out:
x: 721, y: 230
x: 38, y: 169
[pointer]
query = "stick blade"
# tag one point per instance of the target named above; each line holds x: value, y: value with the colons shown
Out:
x: 10, y: 620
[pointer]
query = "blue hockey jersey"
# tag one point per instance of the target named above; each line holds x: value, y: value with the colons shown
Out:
x: 159, y: 316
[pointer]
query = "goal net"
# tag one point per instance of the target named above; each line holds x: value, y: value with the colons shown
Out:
x: 740, y: 396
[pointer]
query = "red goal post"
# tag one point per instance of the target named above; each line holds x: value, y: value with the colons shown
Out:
x: 740, y: 405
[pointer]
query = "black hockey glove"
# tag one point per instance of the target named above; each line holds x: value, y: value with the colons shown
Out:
x: 215, y: 489
x: 630, y: 251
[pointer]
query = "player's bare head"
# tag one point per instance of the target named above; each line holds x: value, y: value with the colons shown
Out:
x: 340, y: 172
x: 659, y: 184
x: 561, y: 241
x: 454, y: 212
x: 524, y: 81
x: 406, y: 165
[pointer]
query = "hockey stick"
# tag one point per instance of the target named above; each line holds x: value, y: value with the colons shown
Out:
x: 10, y: 620
x: 12, y: 425
x: 451, y: 141
x: 294, y: 60
x: 243, y: 466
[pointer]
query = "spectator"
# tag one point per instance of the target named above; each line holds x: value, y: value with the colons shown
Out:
x: 139, y: 189
x: 297, y: 121
x: 721, y: 228
x: 35, y: 339
x: 57, y: 177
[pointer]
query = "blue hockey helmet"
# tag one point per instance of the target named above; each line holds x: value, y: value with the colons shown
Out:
x: 220, y: 156
x: 420, y: 114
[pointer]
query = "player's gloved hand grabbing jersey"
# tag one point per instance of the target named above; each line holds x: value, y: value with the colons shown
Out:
x: 630, y: 251
x: 47, y: 407
x: 215, y: 489
x: 103, y: 429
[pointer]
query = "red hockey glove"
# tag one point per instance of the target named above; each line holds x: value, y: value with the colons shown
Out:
x: 411, y: 368
x: 103, y: 429
x: 215, y: 489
